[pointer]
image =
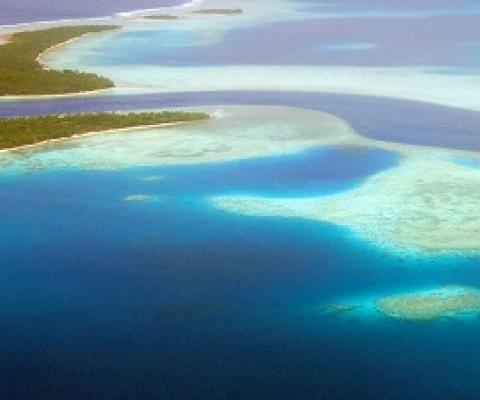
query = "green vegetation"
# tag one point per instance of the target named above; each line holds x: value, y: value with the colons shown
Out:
x: 220, y: 11
x: 164, y: 17
x: 22, y: 74
x: 22, y: 131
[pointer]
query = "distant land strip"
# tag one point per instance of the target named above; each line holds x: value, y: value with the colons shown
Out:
x: 22, y: 74
x: 22, y: 132
x: 163, y: 17
x: 220, y: 11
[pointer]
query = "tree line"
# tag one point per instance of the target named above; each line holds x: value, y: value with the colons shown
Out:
x: 21, y: 131
x: 22, y: 74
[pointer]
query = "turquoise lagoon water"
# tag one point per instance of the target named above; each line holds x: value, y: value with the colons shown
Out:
x: 368, y: 41
x: 169, y: 298
x: 299, y: 37
x: 261, y: 51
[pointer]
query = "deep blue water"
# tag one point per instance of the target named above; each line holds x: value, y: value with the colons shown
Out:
x: 21, y: 11
x: 324, y: 170
x: 107, y: 299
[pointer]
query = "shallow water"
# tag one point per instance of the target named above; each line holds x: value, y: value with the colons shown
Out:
x: 126, y: 283
x: 392, y: 56
x: 368, y: 41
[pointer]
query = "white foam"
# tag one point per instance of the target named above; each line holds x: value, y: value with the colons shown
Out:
x: 190, y: 4
x: 143, y: 11
x: 122, y: 14
x: 33, y: 24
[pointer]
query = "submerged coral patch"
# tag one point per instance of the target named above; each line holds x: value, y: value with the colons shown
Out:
x: 153, y: 178
x: 338, y: 308
x: 431, y: 304
x: 138, y: 197
x: 423, y: 204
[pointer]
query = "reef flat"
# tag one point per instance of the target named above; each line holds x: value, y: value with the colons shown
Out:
x: 416, y: 84
x: 22, y: 74
x: 407, y: 83
x: 24, y: 131
x: 232, y: 133
x: 426, y: 203
x: 428, y: 305
x: 428, y: 83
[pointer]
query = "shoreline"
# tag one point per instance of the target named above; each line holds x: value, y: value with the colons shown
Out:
x: 6, y: 38
x: 28, y: 97
x: 93, y: 133
x: 44, y: 66
x: 6, y: 32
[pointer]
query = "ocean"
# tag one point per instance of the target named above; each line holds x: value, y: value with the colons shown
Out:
x: 126, y: 283
x: 23, y: 11
x: 105, y: 298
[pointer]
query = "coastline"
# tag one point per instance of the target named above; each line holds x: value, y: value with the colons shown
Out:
x: 4, y: 38
x: 61, y: 44
x: 93, y: 133
x: 55, y: 96
x: 45, y: 67
x: 215, y: 140
x: 43, y: 73
x: 6, y: 31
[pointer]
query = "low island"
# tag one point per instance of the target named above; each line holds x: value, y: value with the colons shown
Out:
x: 220, y: 11
x: 27, y: 131
x: 161, y: 17
x: 22, y: 74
